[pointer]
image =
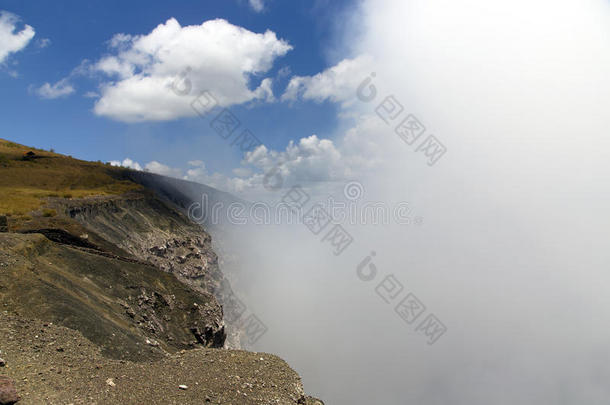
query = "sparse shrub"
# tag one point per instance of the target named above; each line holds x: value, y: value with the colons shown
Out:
x: 48, y: 212
x: 67, y: 195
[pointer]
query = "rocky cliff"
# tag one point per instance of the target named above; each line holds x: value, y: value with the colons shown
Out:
x: 156, y: 232
x: 150, y: 230
x: 113, y: 297
x: 132, y: 310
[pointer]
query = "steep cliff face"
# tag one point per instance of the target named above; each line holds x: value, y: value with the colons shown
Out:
x: 153, y: 232
x: 209, y: 208
x: 131, y: 310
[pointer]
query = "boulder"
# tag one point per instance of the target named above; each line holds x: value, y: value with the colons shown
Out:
x: 8, y: 393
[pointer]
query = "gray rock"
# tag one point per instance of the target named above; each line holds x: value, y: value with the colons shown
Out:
x: 8, y: 393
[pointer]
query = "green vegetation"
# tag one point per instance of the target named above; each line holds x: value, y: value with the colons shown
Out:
x: 26, y: 181
x: 48, y: 212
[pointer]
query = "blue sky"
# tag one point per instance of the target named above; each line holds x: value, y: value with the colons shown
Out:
x: 68, y: 123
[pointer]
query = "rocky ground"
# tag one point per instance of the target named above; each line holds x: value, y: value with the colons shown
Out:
x: 52, y: 364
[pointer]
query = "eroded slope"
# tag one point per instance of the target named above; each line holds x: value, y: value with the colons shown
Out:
x: 117, y: 304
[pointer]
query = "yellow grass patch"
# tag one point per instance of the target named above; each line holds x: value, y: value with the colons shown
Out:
x: 25, y: 181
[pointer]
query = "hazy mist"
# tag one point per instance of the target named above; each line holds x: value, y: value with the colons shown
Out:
x: 512, y: 253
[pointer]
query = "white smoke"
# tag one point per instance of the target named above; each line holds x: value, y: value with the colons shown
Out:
x: 511, y: 255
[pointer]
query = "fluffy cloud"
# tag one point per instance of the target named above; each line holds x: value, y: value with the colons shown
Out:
x: 126, y: 163
x: 12, y: 41
x: 159, y: 168
x: 153, y: 167
x: 60, y: 89
x: 196, y: 172
x: 199, y: 173
x: 150, y: 74
x: 311, y: 160
x: 337, y: 83
x: 257, y: 5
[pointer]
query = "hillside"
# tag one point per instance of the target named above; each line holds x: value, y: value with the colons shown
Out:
x: 100, y: 260
x: 26, y: 180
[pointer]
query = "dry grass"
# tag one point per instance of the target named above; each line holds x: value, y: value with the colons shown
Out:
x: 25, y: 184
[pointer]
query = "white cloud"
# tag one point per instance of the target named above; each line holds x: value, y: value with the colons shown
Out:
x: 197, y: 173
x: 43, y: 42
x: 11, y: 40
x: 126, y: 163
x: 152, y: 167
x: 257, y: 5
x: 196, y: 163
x: 164, y: 170
x: 60, y: 89
x: 337, y: 83
x: 216, y: 56
x: 64, y: 87
x: 233, y: 184
x: 264, y: 91
x: 242, y: 172
x: 311, y: 159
